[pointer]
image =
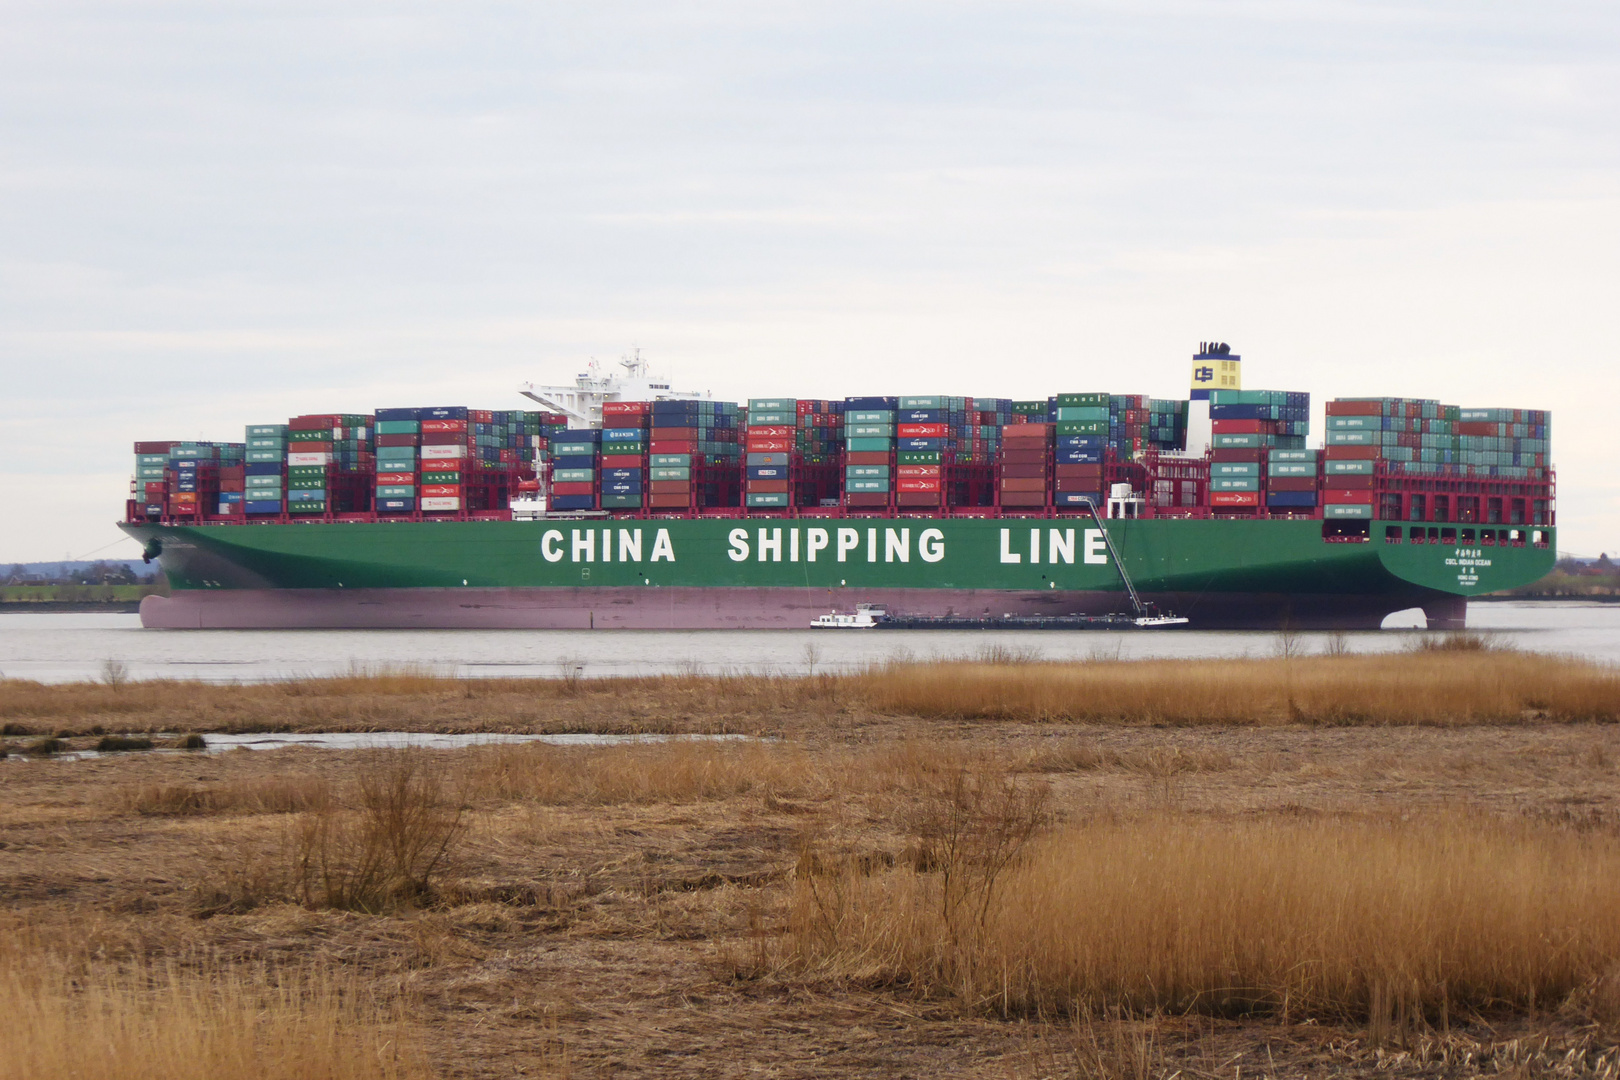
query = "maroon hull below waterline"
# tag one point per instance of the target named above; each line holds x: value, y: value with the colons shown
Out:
x: 717, y: 608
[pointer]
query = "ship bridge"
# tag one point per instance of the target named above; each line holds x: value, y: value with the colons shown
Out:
x: 582, y: 402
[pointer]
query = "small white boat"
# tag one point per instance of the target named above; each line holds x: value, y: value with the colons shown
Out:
x: 1149, y: 622
x: 865, y: 617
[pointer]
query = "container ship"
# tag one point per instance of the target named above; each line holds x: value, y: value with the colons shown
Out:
x: 620, y: 503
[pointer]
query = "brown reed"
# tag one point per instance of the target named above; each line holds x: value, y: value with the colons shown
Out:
x: 1333, y: 918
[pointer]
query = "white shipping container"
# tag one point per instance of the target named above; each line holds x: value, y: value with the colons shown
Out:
x: 449, y: 450
x: 322, y: 458
x: 440, y: 503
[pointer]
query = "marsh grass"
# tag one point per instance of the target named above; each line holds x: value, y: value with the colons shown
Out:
x: 1363, y: 919
x: 122, y: 743
x: 1442, y: 679
x: 257, y: 795
x: 67, y: 1020
x: 1439, y: 686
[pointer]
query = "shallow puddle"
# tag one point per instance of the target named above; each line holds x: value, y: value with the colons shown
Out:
x: 379, y: 740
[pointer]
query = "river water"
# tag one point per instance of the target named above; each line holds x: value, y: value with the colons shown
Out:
x: 69, y: 647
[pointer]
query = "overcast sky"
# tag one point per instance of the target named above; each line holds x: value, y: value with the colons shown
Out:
x: 217, y: 214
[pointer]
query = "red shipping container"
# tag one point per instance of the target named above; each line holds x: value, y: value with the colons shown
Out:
x: 1022, y: 469
x: 1341, y: 495
x: 1023, y: 498
x: 669, y: 487
x: 917, y: 470
x: 916, y: 498
x: 231, y: 485
x: 155, y: 489
x: 866, y: 498
x: 396, y: 440
x: 770, y: 431
x: 1291, y: 483
x: 443, y: 425
x: 1021, y: 456
x: 768, y: 487
x: 1234, y: 498
x: 309, y: 448
x: 583, y: 487
x: 923, y: 431
x: 1228, y: 453
x: 769, y: 446
x: 625, y: 408
x: 621, y: 461
x: 658, y: 433
x: 804, y: 408
x: 1355, y: 408
x: 314, y: 423
x: 916, y: 484
x: 231, y: 472
x: 1023, y: 483
x: 1075, y: 471
x: 867, y: 457
x: 1241, y: 427
x: 673, y: 446
x: 1027, y: 433
x: 454, y: 464
x: 1078, y: 483
x: 396, y: 478
x: 1478, y: 427
x: 155, y: 447
x: 669, y: 502
x: 480, y: 416
x: 1351, y: 483
x: 1351, y: 453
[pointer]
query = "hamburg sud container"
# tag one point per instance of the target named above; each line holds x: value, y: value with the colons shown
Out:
x: 1026, y: 454
x: 575, y: 467
x: 869, y: 449
x: 1247, y: 426
x: 626, y: 440
x: 771, y: 434
x: 1084, y: 426
x: 264, y: 480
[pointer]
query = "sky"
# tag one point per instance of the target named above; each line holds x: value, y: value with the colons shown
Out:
x: 217, y: 214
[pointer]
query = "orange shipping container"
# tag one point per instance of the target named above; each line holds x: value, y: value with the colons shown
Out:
x: 1021, y: 483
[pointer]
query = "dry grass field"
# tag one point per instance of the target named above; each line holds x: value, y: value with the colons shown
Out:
x: 1381, y: 866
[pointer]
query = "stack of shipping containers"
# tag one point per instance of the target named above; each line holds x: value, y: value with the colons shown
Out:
x: 817, y: 471
x: 397, y: 444
x: 927, y: 437
x: 772, y: 443
x: 1420, y: 460
x: 446, y: 458
x: 869, y: 449
x: 264, y: 481
x: 1247, y: 427
x: 1026, y: 454
x: 575, y: 461
x: 694, y: 458
x: 1085, y: 426
x: 626, y: 439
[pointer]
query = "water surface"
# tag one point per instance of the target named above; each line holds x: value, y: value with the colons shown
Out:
x: 68, y: 647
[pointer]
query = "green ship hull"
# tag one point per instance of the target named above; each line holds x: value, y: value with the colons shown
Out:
x: 781, y: 573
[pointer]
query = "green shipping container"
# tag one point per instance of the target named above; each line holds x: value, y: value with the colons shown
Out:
x: 1234, y: 483
x: 1082, y: 427
x: 396, y: 491
x: 256, y: 431
x: 398, y: 427
x: 1291, y: 468
x: 1349, y: 468
x: 671, y: 460
x: 1238, y: 442
x: 866, y: 472
x: 767, y: 498
x: 1082, y: 401
x: 772, y: 419
x: 1293, y: 455
x: 672, y: 472
x: 867, y: 446
x: 620, y: 502
x: 1347, y: 510
x: 1082, y: 412
x: 260, y: 456
x: 869, y: 431
x: 455, y: 477
x: 919, y: 457
x: 869, y: 417
x: 1235, y: 468
x: 777, y: 405
x: 866, y: 485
